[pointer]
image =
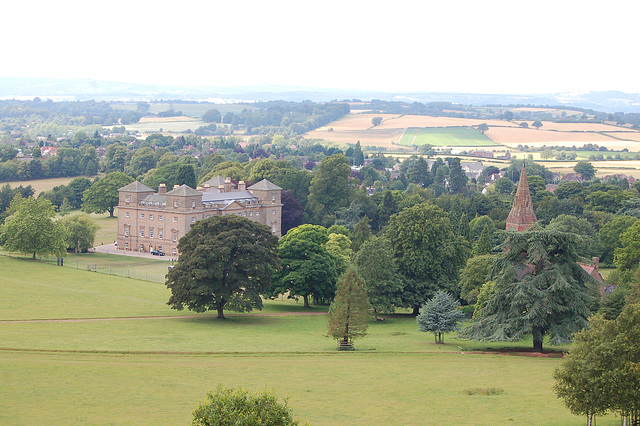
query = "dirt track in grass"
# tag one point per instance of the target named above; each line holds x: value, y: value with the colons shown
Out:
x: 152, y: 317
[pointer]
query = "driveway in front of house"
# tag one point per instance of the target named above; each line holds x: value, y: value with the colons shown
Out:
x: 112, y: 249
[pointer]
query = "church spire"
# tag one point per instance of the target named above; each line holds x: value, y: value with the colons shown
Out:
x: 522, y: 215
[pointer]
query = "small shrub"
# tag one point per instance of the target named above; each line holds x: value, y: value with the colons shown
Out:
x: 229, y: 406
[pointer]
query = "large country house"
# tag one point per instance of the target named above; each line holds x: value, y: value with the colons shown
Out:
x: 149, y: 220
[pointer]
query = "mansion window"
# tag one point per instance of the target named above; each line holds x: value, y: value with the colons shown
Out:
x: 193, y: 220
x: 273, y: 198
x: 128, y: 199
x: 193, y: 204
x: 160, y: 217
x: 141, y: 215
x: 150, y: 232
x: 142, y: 232
x: 273, y: 229
x: 126, y: 214
x: 126, y: 245
x: 273, y: 212
x: 150, y: 217
x: 175, y: 204
x: 160, y: 233
x: 141, y: 247
x: 174, y: 252
x: 175, y: 236
x: 126, y: 231
x: 175, y: 218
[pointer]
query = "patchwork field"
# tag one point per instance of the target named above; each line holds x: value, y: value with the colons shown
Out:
x: 396, y: 131
x: 79, y: 347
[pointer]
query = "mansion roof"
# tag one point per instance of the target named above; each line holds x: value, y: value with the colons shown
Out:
x: 136, y: 187
x: 265, y: 185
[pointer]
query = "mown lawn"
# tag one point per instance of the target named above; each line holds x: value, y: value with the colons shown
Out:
x: 154, y: 371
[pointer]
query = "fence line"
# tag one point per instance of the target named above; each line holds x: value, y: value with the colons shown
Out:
x: 127, y: 270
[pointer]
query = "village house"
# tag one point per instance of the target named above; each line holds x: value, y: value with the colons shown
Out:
x: 155, y: 221
x: 472, y: 169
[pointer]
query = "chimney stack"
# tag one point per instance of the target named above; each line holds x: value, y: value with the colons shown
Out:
x: 242, y: 186
x: 162, y: 189
x: 596, y: 263
x: 220, y: 189
x: 227, y: 185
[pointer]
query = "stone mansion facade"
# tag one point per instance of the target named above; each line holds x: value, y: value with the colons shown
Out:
x: 156, y: 221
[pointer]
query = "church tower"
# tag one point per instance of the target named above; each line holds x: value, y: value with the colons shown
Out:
x: 522, y: 215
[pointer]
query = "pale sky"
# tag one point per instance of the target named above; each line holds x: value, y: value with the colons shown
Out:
x: 410, y: 46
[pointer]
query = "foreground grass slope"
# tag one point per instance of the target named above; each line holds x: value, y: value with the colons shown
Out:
x: 154, y: 371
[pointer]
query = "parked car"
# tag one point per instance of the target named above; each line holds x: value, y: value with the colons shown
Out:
x: 157, y: 253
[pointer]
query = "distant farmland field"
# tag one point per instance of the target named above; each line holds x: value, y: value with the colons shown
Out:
x: 447, y: 136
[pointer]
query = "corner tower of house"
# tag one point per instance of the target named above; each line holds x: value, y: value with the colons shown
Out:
x: 269, y: 195
x: 522, y: 215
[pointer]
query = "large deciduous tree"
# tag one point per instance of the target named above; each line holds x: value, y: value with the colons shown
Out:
x: 142, y: 161
x: 330, y: 188
x: 30, y: 228
x: 225, y: 262
x: 601, y: 372
x: 610, y: 234
x: 308, y: 269
x: 375, y: 264
x: 427, y: 251
x: 627, y: 257
x: 349, y: 310
x: 474, y: 275
x: 212, y: 116
x: 580, y: 380
x: 81, y: 232
x: 103, y: 195
x: 585, y: 170
x: 539, y: 290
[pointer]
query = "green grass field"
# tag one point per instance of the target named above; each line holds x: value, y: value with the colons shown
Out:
x: 109, y: 363
x: 445, y: 136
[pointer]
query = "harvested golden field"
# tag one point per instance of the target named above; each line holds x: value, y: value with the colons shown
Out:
x: 532, y: 109
x: 373, y: 137
x: 533, y: 137
x: 578, y: 127
x: 625, y: 135
x: 604, y: 168
x: 41, y: 185
x: 406, y: 121
x: 357, y: 122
